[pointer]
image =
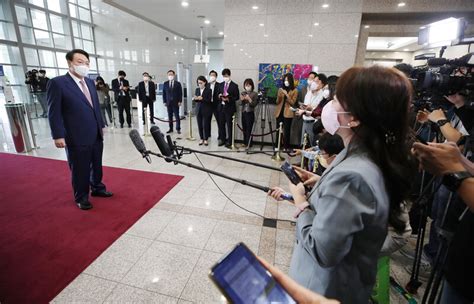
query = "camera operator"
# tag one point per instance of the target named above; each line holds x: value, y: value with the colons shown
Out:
x: 41, y: 94
x: 465, y: 113
x: 37, y: 87
x: 446, y: 160
x: 343, y: 221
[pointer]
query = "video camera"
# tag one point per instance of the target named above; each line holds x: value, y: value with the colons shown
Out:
x: 262, y: 95
x: 442, y: 77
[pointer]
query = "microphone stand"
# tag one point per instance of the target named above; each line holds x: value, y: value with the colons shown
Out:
x: 238, y: 180
x: 179, y: 152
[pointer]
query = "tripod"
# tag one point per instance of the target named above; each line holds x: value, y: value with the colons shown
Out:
x: 262, y: 112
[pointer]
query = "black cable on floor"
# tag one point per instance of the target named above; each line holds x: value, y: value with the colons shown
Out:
x: 249, y: 211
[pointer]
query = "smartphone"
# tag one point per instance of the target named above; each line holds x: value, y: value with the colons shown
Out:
x: 290, y: 173
x: 243, y: 279
x: 243, y: 93
x: 421, y: 140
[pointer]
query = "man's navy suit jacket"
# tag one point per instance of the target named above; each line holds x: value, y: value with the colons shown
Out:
x: 70, y: 114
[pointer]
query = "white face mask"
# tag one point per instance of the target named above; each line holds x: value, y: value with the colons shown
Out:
x: 212, y: 78
x: 226, y: 79
x: 287, y: 83
x: 81, y: 70
x: 170, y: 77
x: 146, y: 78
x: 310, y: 82
x: 248, y: 88
x: 201, y: 86
x: 325, y: 93
x: 313, y: 86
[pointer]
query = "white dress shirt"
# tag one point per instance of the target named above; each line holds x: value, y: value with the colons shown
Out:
x: 313, y: 101
x: 77, y: 80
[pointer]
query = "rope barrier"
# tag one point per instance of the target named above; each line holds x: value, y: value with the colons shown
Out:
x: 258, y: 135
x: 164, y: 120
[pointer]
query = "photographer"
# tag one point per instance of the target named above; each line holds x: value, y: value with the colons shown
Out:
x: 446, y: 160
x: 465, y: 113
x: 343, y: 220
x: 37, y: 82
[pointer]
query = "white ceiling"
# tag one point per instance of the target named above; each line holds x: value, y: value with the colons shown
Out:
x: 392, y: 44
x: 172, y: 16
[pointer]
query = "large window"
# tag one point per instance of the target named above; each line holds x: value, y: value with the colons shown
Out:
x: 47, y: 30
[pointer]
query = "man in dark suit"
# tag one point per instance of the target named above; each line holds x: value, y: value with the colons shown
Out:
x: 76, y: 124
x: 228, y: 95
x: 121, y: 89
x: 147, y: 96
x: 172, y: 98
x: 214, y: 86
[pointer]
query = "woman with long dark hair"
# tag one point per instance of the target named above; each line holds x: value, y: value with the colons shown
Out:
x: 286, y: 98
x: 343, y: 220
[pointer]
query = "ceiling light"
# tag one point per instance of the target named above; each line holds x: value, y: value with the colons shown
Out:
x: 366, y: 26
x: 246, y: 54
x: 325, y: 5
x: 310, y: 35
x: 175, y: 38
x: 261, y: 24
x: 422, y: 27
x: 265, y: 35
x: 406, y: 50
x: 357, y: 36
x: 255, y: 7
x: 207, y: 21
x: 221, y: 33
x: 184, y: 3
x: 241, y: 50
x: 235, y: 44
x: 316, y: 23
x: 250, y: 56
x: 384, y: 56
x: 401, y: 4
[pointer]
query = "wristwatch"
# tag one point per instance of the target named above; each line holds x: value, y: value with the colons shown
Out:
x: 452, y: 181
x: 442, y: 122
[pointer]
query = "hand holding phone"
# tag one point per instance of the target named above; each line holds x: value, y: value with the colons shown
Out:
x: 242, y: 278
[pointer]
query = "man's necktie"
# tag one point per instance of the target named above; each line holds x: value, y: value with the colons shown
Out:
x: 86, y: 92
x: 226, y: 86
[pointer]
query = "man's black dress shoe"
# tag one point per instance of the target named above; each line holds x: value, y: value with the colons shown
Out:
x: 228, y: 146
x: 179, y: 131
x: 102, y: 194
x: 84, y: 205
x: 220, y: 143
x: 169, y: 131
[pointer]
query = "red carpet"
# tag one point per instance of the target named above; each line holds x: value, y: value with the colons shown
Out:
x: 45, y: 240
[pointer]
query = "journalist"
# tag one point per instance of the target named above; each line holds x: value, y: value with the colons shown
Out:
x: 457, y: 172
x: 248, y: 99
x: 343, y: 221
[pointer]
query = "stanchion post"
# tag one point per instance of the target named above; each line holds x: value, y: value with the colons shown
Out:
x: 146, y: 126
x: 233, y: 147
x: 305, y: 142
x: 277, y: 155
x: 190, y: 136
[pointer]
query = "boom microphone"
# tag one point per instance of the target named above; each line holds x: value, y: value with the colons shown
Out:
x: 161, y: 143
x: 139, y: 144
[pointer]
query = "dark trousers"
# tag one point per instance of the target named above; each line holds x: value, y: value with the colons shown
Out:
x: 148, y: 103
x: 204, y: 125
x: 174, y: 110
x: 286, y: 129
x: 103, y: 108
x: 124, y: 104
x: 85, y: 163
x: 216, y: 116
x: 225, y: 124
x: 42, y: 101
x: 248, y: 119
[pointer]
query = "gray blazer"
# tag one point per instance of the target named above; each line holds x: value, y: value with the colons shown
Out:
x: 338, y: 241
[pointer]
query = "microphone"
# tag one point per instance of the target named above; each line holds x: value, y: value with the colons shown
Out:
x: 161, y: 143
x: 139, y: 144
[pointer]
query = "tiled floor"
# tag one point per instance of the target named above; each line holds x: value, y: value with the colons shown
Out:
x: 165, y: 257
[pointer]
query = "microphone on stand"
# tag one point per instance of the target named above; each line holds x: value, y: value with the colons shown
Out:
x: 161, y: 143
x: 139, y: 144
